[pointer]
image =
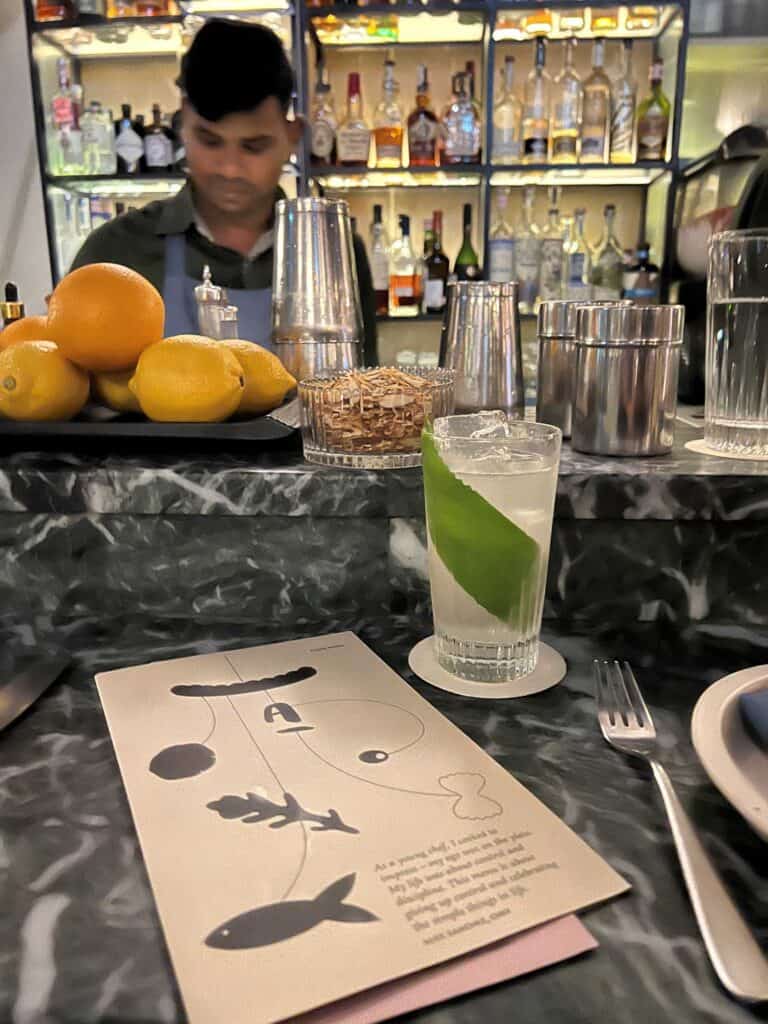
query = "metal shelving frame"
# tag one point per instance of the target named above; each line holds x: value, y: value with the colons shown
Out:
x: 300, y: 35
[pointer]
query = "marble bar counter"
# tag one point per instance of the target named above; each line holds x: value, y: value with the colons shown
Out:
x: 251, y: 536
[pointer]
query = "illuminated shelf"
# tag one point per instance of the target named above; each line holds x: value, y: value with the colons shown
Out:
x: 509, y: 21
x: 587, y: 175
x: 429, y: 7
x: 105, y: 38
x: 444, y: 177
x: 418, y: 318
x: 127, y: 184
x: 413, y: 27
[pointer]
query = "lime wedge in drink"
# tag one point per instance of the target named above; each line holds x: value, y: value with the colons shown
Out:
x: 490, y: 557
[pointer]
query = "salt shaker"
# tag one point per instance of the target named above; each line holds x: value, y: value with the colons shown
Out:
x: 210, y: 299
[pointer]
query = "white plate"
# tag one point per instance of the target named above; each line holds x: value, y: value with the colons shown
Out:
x: 731, y: 758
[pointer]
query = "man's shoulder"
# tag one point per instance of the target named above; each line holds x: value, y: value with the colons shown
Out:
x: 131, y: 239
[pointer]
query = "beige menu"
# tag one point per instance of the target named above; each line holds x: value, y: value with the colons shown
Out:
x: 313, y: 827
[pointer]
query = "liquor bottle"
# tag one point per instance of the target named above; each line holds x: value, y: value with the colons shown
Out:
x: 379, y: 263
x: 66, y: 138
x: 536, y: 109
x: 501, y: 243
x: 461, y: 127
x: 572, y: 21
x: 423, y: 126
x: 608, y: 264
x: 623, y: 146
x: 179, y: 154
x: 507, y: 118
x: 577, y: 262
x: 566, y: 110
x: 121, y: 9
x: 152, y: 8
x: 87, y: 9
x: 323, y: 123
x: 404, y: 282
x: 538, y: 22
x: 605, y: 19
x: 653, y: 117
x: 551, y: 272
x: 129, y: 143
x: 54, y: 10
x: 353, y: 139
x: 641, y: 280
x: 596, y: 113
x: 469, y: 71
x: 388, y: 122
x: 99, y: 153
x: 436, y: 269
x: 467, y: 265
x: 158, y: 146
x: 528, y: 255
x: 642, y: 16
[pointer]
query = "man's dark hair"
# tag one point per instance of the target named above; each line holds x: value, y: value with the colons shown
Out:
x: 232, y: 67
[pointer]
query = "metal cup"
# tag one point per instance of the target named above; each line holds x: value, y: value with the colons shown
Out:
x: 556, y: 367
x: 317, y: 322
x: 482, y: 344
x: 625, y: 396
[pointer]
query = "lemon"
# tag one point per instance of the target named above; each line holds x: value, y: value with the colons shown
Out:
x: 112, y: 388
x: 38, y: 383
x: 189, y: 379
x: 267, y: 381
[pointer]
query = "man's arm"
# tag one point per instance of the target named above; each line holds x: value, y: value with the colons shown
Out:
x: 367, y: 303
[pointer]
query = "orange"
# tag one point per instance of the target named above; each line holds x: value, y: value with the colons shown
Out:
x: 103, y: 316
x: 29, y: 328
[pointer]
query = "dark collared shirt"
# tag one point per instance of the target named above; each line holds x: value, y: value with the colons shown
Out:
x: 137, y: 240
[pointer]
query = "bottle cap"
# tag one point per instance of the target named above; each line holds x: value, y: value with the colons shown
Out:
x: 353, y: 83
x: 377, y: 213
x: 11, y: 309
x: 405, y: 223
x: 207, y: 291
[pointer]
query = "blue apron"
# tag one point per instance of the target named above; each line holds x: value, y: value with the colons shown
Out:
x: 254, y: 304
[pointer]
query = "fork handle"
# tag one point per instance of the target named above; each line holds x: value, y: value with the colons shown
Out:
x: 735, y: 955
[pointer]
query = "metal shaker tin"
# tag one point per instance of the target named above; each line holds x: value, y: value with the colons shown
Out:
x: 627, y: 362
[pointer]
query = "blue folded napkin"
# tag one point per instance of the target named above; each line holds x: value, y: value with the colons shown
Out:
x: 754, y: 715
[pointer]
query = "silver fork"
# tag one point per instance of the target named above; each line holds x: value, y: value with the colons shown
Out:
x: 627, y: 724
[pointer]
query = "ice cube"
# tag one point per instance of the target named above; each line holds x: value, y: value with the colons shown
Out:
x: 476, y: 425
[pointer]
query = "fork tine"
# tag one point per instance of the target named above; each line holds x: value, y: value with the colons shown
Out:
x: 636, y: 698
x: 622, y: 696
x: 606, y: 705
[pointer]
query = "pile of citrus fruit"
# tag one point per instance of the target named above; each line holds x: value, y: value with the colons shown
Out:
x: 103, y: 336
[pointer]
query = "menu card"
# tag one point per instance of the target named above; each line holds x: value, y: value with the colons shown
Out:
x: 312, y: 827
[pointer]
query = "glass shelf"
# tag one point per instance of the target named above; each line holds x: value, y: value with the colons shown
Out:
x: 445, y: 177
x: 558, y: 21
x: 547, y: 174
x: 390, y: 28
x: 130, y: 185
x: 105, y: 38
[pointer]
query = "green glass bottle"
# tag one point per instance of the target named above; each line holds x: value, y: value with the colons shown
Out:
x: 467, y: 265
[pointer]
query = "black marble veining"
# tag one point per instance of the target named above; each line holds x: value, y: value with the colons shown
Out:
x: 244, y: 482
x: 79, y: 937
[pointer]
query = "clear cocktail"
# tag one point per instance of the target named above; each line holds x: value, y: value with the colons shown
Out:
x: 490, y: 486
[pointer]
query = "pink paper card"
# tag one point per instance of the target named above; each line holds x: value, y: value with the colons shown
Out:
x: 539, y: 947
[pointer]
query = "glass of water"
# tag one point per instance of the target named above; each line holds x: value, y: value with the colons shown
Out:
x: 489, y: 484
x: 736, y: 411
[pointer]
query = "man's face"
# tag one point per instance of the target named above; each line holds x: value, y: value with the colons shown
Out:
x: 236, y: 163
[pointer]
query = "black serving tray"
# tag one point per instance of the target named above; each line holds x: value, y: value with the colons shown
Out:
x: 101, y: 426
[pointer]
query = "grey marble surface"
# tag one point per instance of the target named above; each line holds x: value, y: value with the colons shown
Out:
x: 79, y: 936
x: 245, y: 482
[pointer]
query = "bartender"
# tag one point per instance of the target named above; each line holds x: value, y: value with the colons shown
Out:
x: 236, y: 84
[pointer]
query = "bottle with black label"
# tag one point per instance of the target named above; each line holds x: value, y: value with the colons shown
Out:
x: 536, y: 109
x: 641, y: 282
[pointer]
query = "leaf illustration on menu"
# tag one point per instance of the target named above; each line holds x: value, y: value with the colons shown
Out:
x: 490, y: 557
x: 253, y: 809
